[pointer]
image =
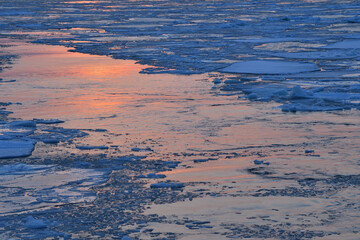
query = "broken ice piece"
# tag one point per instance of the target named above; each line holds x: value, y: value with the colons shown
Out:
x: 16, y: 148
x: 270, y: 67
x: 154, y: 175
x: 167, y: 185
x: 259, y: 162
x: 22, y: 124
x: 92, y: 147
x: 47, y: 121
x: 136, y: 149
x: 33, y: 223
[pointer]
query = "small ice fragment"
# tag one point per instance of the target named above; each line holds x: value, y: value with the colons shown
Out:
x: 130, y: 158
x: 200, y: 160
x: 252, y: 96
x: 281, y: 93
x: 154, y: 175
x: 170, y: 164
x: 200, y: 222
x: 299, y: 93
x: 47, y: 121
x: 51, y: 141
x: 259, y: 162
x: 33, y: 223
x: 141, y: 149
x: 19, y: 124
x: 92, y: 147
x: 167, y: 185
x: 216, y: 81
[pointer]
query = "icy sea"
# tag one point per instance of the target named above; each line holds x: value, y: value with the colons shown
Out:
x: 191, y: 120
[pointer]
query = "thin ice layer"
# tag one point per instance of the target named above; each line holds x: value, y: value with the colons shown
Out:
x: 270, y: 67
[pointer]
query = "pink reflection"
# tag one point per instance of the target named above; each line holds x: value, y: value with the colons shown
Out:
x: 59, y: 63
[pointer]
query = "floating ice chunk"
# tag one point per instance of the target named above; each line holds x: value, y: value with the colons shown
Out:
x: 147, y: 149
x: 167, y: 185
x: 50, y: 140
x: 216, y: 81
x: 130, y: 158
x: 252, y: 96
x: 19, y: 168
x: 259, y: 162
x: 92, y: 147
x: 299, y: 93
x: 33, y: 223
x: 16, y: 148
x: 265, y: 92
x: 328, y: 55
x: 345, y: 44
x: 154, y: 175
x: 313, y: 106
x: 270, y: 67
x: 22, y: 124
x: 48, y: 121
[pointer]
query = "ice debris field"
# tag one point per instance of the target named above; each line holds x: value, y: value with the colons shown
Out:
x: 179, y: 119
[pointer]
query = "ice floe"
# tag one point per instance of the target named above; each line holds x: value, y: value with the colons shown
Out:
x: 16, y: 148
x: 31, y: 222
x: 270, y: 67
x: 92, y: 147
x: 345, y: 44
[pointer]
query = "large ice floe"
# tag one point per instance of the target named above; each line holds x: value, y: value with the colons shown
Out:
x: 270, y: 67
x: 16, y: 148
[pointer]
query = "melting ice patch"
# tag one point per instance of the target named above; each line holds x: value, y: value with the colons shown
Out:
x: 27, y: 187
x: 270, y: 67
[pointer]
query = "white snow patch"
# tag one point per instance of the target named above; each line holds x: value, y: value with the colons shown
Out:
x: 270, y: 67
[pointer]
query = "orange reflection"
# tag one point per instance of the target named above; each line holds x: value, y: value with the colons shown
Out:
x: 56, y: 62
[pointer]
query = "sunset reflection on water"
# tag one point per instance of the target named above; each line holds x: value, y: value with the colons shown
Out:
x: 180, y: 113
